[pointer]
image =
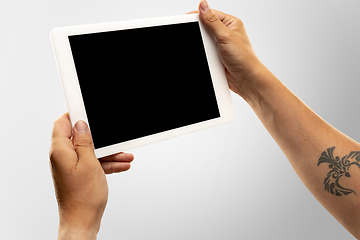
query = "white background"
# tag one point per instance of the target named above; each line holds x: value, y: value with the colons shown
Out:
x: 227, y: 182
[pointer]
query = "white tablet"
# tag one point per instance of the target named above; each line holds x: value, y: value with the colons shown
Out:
x: 141, y: 81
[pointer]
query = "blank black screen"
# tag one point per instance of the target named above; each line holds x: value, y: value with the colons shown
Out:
x: 138, y: 82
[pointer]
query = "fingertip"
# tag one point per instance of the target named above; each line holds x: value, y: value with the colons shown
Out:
x: 204, y: 6
x: 125, y: 157
x: 206, y: 14
x: 81, y: 127
x: 130, y: 157
x: 82, y: 141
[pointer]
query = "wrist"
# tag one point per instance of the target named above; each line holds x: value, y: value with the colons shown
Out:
x: 266, y: 94
x: 276, y: 106
x: 254, y: 85
x: 78, y: 233
x: 79, y: 225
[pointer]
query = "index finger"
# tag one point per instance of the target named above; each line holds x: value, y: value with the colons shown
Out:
x: 192, y: 12
x: 62, y: 127
x: 61, y: 149
x: 119, y: 157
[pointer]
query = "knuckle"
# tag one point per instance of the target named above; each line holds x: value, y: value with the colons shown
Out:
x: 227, y: 35
x: 110, y: 169
x: 224, y: 37
x: 52, y: 154
x: 107, y: 167
x: 239, y: 22
x: 213, y: 18
x: 56, y: 153
x: 57, y: 125
x: 83, y: 143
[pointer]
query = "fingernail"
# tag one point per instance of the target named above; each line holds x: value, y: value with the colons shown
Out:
x: 204, y: 5
x: 81, y: 127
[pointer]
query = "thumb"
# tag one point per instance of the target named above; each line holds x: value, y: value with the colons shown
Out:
x: 212, y: 22
x: 82, y: 141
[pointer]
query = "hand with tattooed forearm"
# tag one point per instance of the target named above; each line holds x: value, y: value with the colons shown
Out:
x: 326, y: 160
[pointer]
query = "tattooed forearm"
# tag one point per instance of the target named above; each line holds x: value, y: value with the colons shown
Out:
x: 339, y: 168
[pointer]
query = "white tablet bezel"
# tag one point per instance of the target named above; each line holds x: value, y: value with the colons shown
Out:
x: 72, y: 92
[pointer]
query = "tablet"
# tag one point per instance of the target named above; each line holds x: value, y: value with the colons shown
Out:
x: 141, y: 81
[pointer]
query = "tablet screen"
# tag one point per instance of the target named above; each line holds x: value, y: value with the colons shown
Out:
x: 143, y: 81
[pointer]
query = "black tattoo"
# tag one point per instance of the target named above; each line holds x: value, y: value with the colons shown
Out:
x: 339, y: 168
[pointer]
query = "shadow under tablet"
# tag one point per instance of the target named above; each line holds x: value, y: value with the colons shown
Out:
x: 138, y: 82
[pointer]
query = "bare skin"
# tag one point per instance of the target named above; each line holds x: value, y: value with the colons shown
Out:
x: 79, y: 179
x: 325, y: 159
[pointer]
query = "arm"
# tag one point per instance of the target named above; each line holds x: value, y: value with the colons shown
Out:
x: 312, y: 146
x: 326, y: 160
x: 79, y: 179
